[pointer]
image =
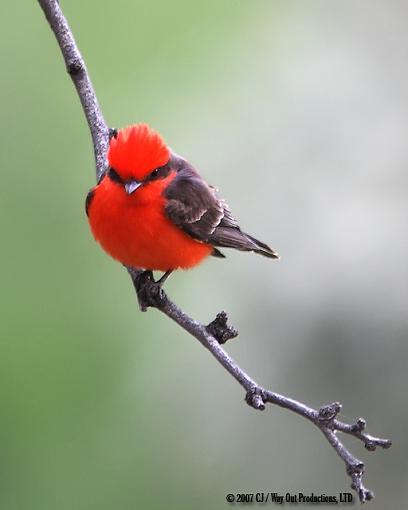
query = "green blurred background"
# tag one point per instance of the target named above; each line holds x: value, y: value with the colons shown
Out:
x: 298, y: 112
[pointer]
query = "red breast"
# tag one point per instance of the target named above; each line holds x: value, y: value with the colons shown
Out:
x: 135, y: 230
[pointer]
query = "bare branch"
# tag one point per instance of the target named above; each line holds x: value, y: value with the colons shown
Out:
x: 77, y: 70
x: 218, y: 331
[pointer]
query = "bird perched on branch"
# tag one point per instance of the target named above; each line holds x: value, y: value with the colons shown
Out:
x: 153, y: 210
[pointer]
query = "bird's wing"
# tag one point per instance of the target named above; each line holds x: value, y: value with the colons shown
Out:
x: 196, y: 208
x: 193, y: 205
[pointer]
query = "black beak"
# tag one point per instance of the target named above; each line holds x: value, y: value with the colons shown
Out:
x: 132, y: 186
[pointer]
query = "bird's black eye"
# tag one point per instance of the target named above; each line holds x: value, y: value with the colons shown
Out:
x: 114, y: 176
x: 159, y: 173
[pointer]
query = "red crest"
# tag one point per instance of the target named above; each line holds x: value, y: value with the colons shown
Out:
x: 136, y: 151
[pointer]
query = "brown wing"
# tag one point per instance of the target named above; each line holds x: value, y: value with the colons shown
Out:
x: 196, y: 208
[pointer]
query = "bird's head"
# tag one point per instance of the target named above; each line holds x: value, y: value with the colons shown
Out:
x: 137, y: 155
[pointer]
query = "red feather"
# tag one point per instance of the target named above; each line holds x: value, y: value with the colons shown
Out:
x: 135, y: 230
x: 136, y: 151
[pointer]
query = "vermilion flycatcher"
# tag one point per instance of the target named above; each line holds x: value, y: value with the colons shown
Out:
x: 153, y: 210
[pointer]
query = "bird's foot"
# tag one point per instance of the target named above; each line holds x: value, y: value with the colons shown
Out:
x: 148, y: 291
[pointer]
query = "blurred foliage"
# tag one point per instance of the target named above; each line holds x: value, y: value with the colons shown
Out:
x: 298, y: 112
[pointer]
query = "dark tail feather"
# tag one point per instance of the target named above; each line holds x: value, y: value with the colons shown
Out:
x: 262, y: 248
x: 228, y: 237
x: 217, y: 253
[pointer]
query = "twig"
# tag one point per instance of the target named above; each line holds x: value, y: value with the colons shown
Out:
x: 77, y: 70
x: 218, y: 330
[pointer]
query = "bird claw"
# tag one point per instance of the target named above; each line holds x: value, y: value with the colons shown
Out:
x: 149, y: 292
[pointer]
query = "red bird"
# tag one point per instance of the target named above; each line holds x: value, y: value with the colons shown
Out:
x: 152, y: 209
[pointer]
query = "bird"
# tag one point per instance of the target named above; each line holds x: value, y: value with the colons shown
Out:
x: 151, y: 209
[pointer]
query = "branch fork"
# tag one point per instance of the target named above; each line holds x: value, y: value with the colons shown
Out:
x: 150, y: 293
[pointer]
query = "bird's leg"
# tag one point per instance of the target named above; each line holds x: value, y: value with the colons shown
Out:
x: 149, y: 292
x: 163, y: 278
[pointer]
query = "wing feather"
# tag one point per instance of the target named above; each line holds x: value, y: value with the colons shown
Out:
x: 197, y: 209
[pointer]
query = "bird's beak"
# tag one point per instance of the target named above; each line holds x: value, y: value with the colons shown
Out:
x: 132, y: 186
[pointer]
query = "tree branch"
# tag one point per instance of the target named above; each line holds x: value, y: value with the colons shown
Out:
x: 77, y: 70
x: 218, y: 331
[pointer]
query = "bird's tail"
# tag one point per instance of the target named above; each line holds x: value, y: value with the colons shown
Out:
x: 227, y: 237
x: 261, y: 248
